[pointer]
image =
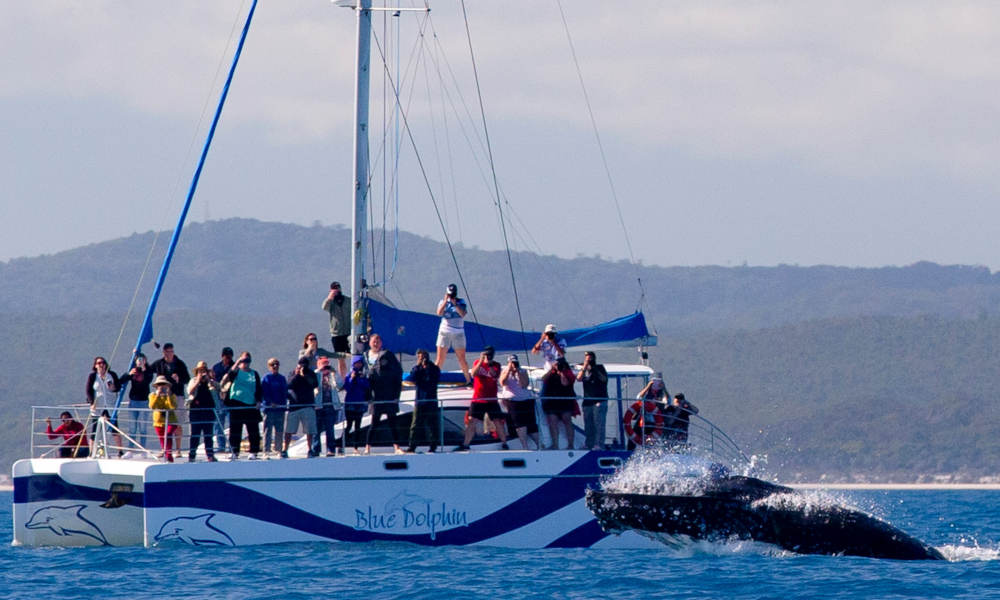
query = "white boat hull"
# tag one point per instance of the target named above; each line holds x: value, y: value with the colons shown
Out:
x: 497, y: 498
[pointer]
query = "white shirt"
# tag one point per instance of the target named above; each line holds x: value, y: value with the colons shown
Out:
x: 548, y: 350
x: 452, y: 320
x: 104, y: 398
x: 512, y: 389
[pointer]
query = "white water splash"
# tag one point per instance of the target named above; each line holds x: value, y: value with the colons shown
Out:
x: 806, y: 502
x: 657, y: 470
x: 971, y: 552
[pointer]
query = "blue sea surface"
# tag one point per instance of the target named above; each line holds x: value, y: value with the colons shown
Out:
x: 963, y: 524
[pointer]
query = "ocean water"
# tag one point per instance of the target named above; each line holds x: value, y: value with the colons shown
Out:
x: 963, y: 524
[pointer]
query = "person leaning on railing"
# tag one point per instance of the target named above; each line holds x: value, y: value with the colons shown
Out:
x: 102, y: 395
x: 386, y: 375
x: 357, y: 389
x: 244, y: 397
x: 520, y: 402
x: 595, y: 400
x: 677, y: 418
x: 328, y: 384
x: 274, y: 400
x: 163, y: 403
x: 559, y: 401
x: 140, y: 377
x: 71, y: 430
x: 426, y: 413
x: 301, y: 405
x: 201, y: 402
x: 485, y: 388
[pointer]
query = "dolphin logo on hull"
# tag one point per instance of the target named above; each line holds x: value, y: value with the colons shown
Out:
x: 66, y: 521
x: 196, y: 531
x: 405, y: 500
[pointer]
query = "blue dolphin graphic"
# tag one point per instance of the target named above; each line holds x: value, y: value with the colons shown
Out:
x: 196, y: 531
x: 66, y: 520
x: 403, y: 500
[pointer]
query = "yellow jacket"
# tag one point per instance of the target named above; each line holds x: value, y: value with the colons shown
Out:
x: 163, y: 409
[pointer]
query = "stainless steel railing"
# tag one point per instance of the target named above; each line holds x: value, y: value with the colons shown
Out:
x: 628, y: 424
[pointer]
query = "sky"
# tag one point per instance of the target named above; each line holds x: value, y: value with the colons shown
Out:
x: 761, y: 133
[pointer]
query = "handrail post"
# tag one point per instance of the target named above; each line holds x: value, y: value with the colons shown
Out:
x: 440, y: 416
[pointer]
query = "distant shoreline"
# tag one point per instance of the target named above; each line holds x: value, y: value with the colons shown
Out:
x: 833, y: 486
x: 895, y: 486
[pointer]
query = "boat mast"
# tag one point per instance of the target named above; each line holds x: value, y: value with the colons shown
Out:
x: 146, y: 330
x: 361, y: 187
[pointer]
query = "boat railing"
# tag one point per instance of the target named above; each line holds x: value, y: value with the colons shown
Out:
x: 132, y: 433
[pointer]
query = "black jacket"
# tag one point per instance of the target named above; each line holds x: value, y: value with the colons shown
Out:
x: 386, y: 377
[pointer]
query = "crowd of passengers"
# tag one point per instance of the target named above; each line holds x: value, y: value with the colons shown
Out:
x: 314, y: 396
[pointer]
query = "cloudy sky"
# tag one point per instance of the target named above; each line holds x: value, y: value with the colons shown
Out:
x: 746, y: 132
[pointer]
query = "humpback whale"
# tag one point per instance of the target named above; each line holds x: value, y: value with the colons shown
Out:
x: 751, y: 509
x: 66, y: 520
x: 196, y: 531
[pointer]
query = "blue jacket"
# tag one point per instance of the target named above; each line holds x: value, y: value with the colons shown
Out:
x: 356, y: 388
x: 274, y: 391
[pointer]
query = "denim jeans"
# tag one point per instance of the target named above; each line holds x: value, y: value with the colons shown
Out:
x: 274, y: 422
x: 202, y: 425
x: 326, y: 418
x: 594, y: 422
x: 221, y: 414
x: 135, y: 423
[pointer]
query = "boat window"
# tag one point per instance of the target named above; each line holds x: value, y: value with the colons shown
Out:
x: 396, y: 465
x: 514, y: 463
x: 611, y: 462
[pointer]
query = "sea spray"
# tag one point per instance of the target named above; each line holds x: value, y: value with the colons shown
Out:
x: 657, y: 470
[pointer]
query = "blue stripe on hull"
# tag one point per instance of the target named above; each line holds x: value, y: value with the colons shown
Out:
x: 49, y: 487
x: 554, y: 494
x: 224, y: 497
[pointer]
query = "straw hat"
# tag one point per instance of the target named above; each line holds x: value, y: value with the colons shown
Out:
x: 161, y: 380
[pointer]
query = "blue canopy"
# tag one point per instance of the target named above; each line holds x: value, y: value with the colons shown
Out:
x: 405, y: 331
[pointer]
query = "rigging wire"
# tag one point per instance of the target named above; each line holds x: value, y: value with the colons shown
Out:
x: 427, y: 184
x: 383, y: 157
x: 600, y: 147
x: 432, y: 109
x: 476, y: 145
x: 178, y: 180
x: 496, y: 185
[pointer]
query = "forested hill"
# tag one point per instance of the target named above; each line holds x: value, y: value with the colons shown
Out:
x: 852, y: 374
x: 258, y: 268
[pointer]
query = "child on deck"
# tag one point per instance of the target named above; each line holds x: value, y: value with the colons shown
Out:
x: 163, y: 403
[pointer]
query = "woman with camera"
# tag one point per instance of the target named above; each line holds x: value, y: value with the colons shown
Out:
x: 519, y: 401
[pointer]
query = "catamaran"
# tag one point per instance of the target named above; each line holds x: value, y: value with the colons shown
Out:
x: 491, y: 496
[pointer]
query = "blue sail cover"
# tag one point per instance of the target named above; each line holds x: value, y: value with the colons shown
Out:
x: 405, y: 331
